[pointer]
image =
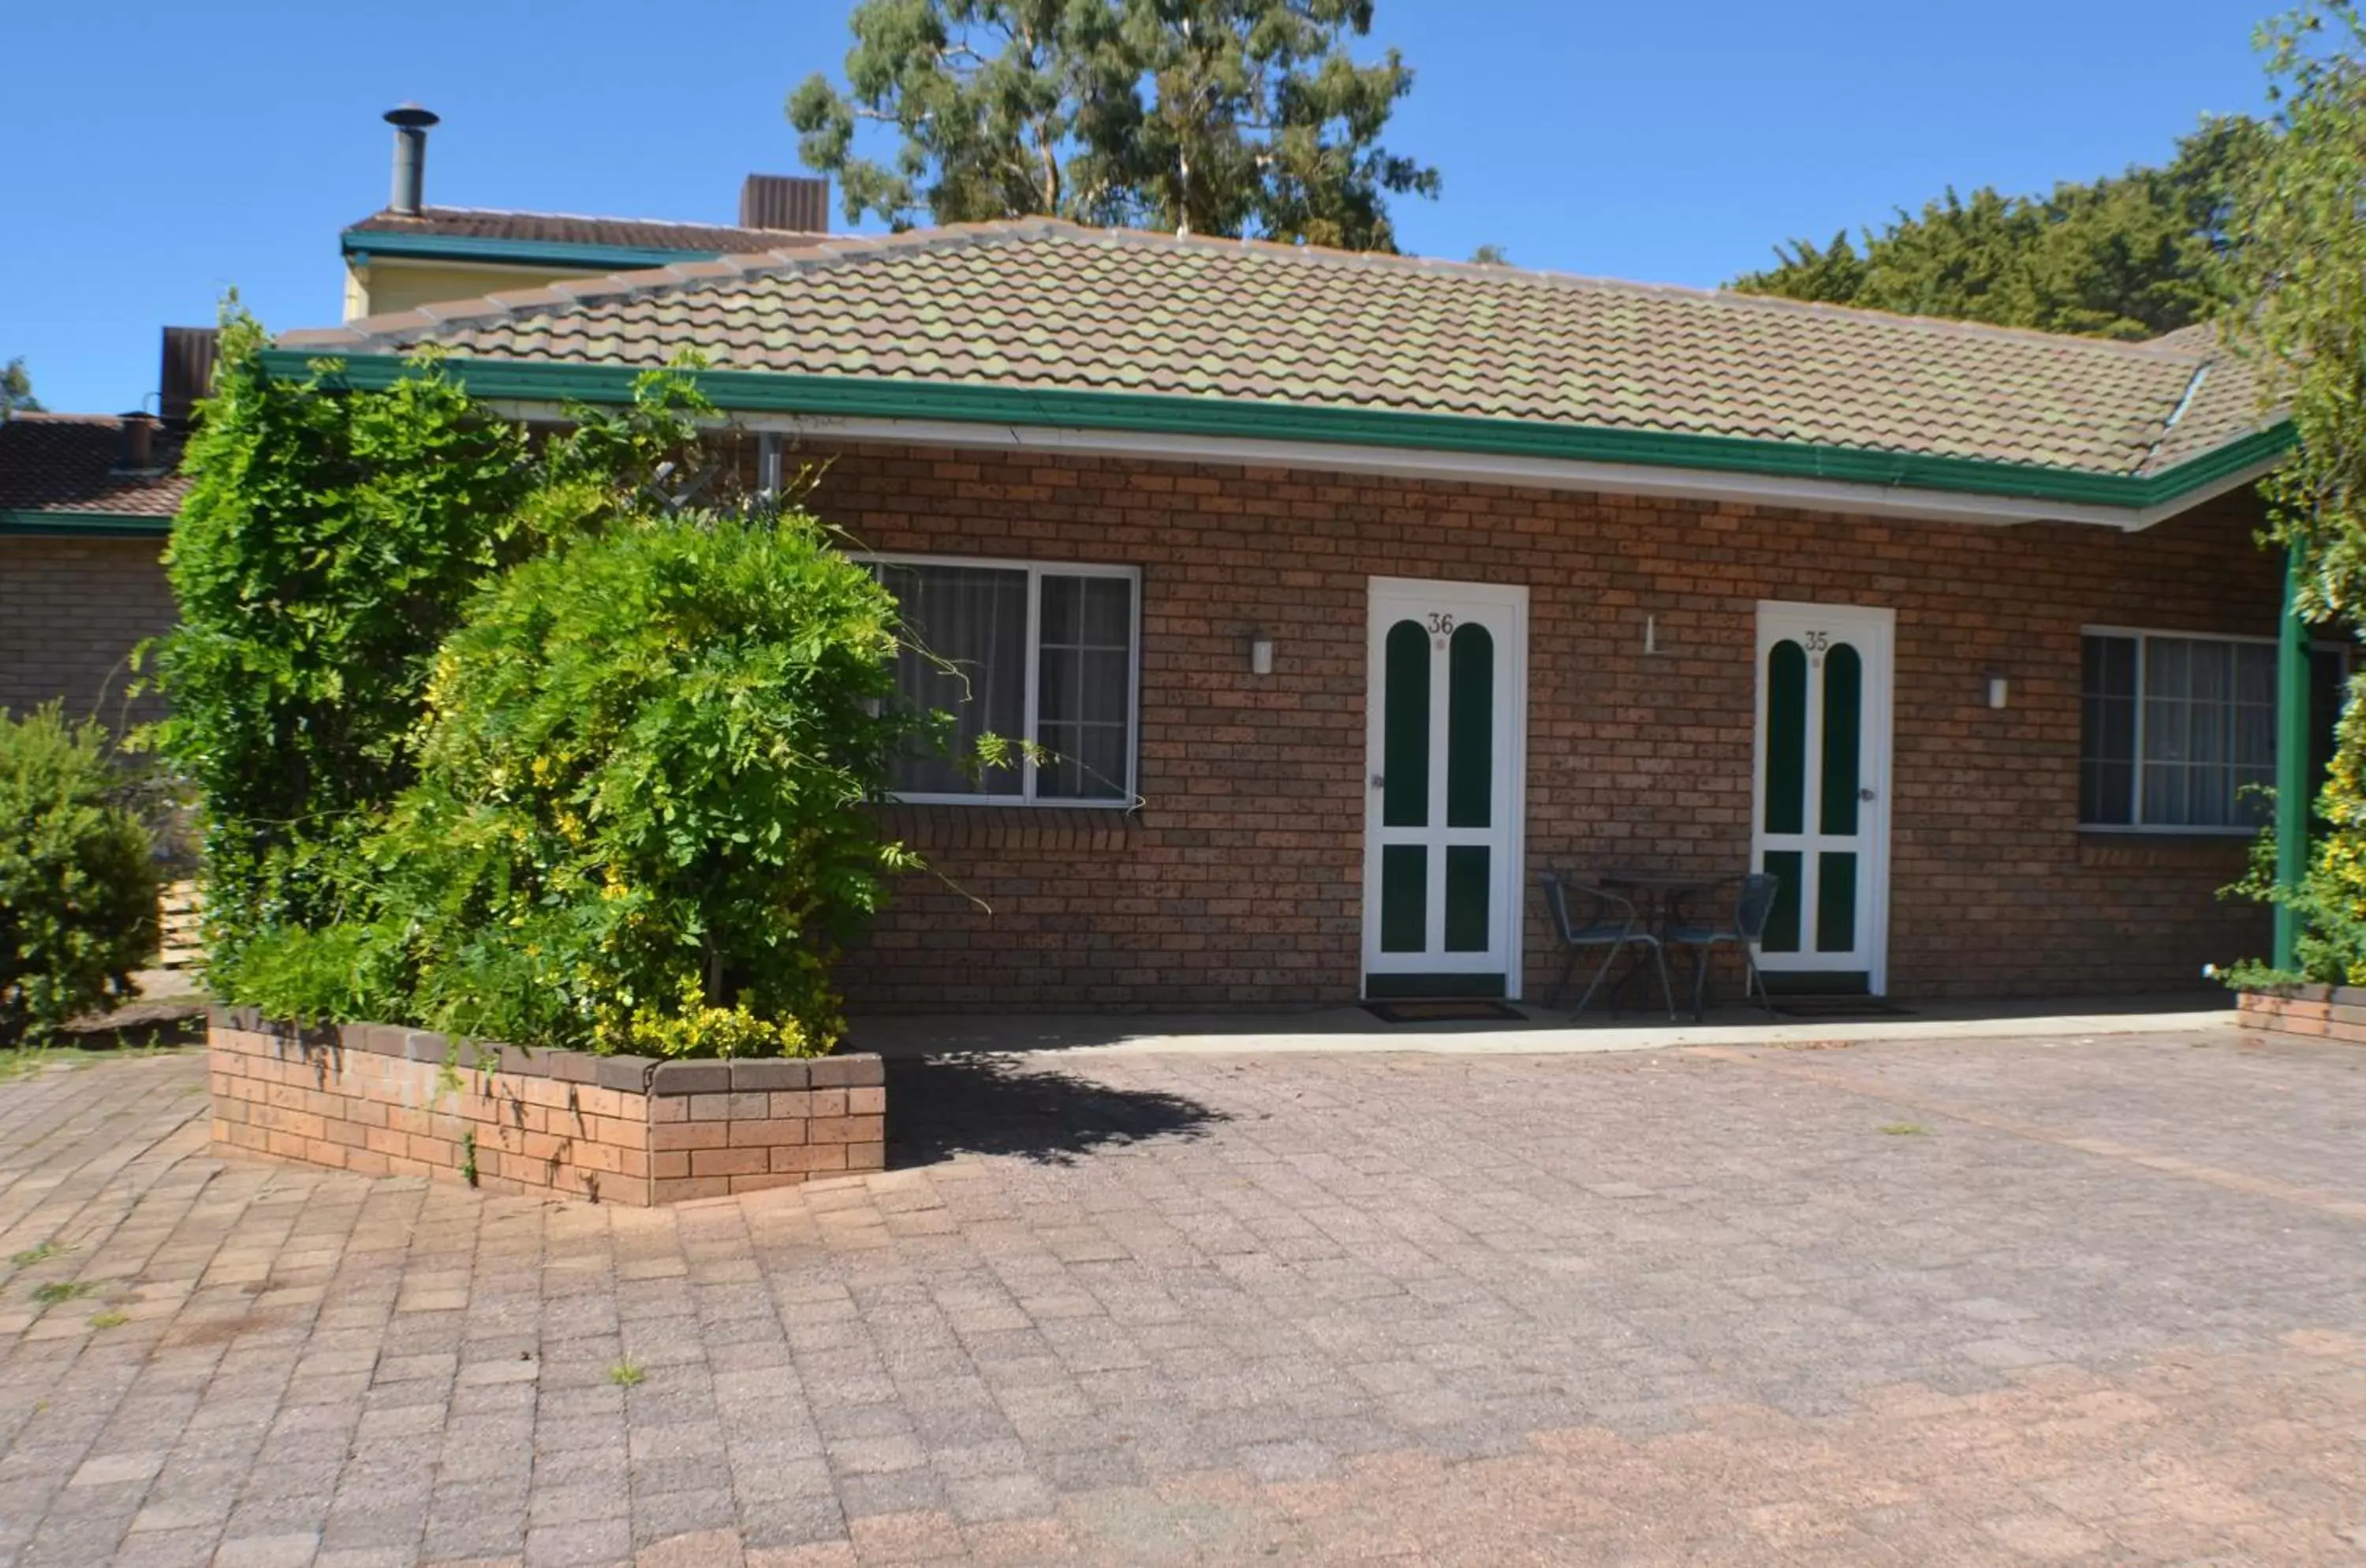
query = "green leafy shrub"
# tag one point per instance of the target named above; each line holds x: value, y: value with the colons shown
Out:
x: 2296, y: 267
x: 346, y: 972
x: 639, y: 822
x: 77, y: 884
x: 492, y: 737
x: 328, y: 543
x: 2330, y: 903
x: 644, y: 773
x: 693, y: 1028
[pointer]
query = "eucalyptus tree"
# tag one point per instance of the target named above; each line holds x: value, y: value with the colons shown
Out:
x: 1213, y: 116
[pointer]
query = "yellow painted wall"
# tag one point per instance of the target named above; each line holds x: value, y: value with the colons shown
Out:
x: 387, y: 284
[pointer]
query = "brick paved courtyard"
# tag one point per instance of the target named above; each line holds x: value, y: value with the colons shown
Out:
x: 2007, y: 1301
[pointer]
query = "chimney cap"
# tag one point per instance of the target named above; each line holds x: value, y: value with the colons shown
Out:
x: 136, y: 453
x: 410, y: 117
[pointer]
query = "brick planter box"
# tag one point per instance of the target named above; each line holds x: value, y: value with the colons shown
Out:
x: 2308, y: 1012
x: 381, y: 1100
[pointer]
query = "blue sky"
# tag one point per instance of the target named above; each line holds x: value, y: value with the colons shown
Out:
x: 160, y: 155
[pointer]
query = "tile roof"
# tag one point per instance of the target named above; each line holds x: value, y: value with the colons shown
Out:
x: 1045, y: 305
x: 558, y: 227
x: 68, y: 463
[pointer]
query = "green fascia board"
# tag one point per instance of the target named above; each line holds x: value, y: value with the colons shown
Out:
x: 84, y: 524
x: 367, y: 243
x: 762, y: 392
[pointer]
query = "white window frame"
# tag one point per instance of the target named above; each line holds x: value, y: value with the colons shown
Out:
x: 1036, y: 571
x: 2141, y: 634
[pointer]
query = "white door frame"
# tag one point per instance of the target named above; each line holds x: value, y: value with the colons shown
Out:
x: 1397, y: 597
x: 1874, y: 629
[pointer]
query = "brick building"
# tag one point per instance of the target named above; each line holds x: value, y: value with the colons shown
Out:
x: 1346, y: 593
x: 85, y: 503
x: 1240, y: 876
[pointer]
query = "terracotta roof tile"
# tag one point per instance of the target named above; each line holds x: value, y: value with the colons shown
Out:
x: 70, y: 463
x: 1049, y: 305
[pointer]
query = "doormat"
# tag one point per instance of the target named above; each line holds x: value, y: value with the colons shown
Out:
x: 1839, y: 1007
x: 1470, y: 1010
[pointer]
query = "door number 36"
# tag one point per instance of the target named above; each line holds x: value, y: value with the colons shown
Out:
x: 1441, y: 625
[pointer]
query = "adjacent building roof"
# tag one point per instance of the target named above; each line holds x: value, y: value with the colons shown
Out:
x: 462, y: 232
x: 1055, y: 311
x: 68, y: 472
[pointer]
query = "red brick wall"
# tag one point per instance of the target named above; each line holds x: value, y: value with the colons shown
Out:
x: 71, y: 611
x: 2307, y: 1012
x: 1238, y: 881
x: 378, y: 1101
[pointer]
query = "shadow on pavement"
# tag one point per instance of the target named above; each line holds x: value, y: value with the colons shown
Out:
x: 942, y: 1105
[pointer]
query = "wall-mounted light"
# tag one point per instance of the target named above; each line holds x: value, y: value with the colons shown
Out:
x: 1260, y: 654
x: 1999, y: 689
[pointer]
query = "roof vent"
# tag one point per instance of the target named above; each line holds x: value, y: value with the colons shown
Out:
x: 785, y: 201
x: 411, y: 123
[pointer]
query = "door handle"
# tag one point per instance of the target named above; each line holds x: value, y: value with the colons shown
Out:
x: 1865, y: 795
x: 1379, y: 783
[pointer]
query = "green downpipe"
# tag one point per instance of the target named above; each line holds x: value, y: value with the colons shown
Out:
x: 2292, y: 757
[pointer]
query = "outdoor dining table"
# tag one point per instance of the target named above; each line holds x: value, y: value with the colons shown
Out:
x: 1655, y: 895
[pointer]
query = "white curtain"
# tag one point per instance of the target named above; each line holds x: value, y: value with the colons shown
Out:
x: 974, y: 619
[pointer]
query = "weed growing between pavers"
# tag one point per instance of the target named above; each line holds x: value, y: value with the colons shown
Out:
x: 626, y: 1373
x: 42, y: 1253
x: 25, y: 1061
x: 58, y: 1291
x: 1905, y: 1130
x: 111, y: 1318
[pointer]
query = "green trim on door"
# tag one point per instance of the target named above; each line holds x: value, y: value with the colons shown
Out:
x: 1470, y: 731
x: 1836, y: 901
x: 1468, y: 893
x: 1843, y: 738
x: 1782, y: 922
x: 1404, y: 738
x: 1786, y: 738
x: 1404, y: 898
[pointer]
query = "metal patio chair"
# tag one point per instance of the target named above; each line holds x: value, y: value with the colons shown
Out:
x: 1603, y: 919
x: 1741, y: 921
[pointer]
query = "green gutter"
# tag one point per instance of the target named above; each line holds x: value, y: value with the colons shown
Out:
x: 83, y: 524
x: 364, y: 244
x: 745, y: 391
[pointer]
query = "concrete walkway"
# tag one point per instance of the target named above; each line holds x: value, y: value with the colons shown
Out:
x: 1542, y: 1032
